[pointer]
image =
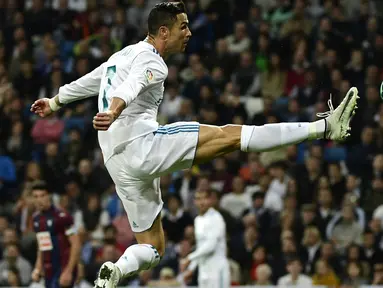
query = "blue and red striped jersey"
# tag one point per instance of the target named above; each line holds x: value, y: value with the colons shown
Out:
x: 53, y: 227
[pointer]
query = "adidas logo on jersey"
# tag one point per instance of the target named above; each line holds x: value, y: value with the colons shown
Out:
x: 135, y: 225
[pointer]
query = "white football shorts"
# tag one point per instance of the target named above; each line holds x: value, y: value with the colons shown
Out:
x: 217, y: 277
x: 136, y: 170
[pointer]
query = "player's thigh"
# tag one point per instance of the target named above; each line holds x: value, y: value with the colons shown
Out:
x: 173, y: 148
x: 215, y: 141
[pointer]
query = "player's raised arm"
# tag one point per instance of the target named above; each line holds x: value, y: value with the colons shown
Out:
x: 147, y: 69
x: 84, y: 87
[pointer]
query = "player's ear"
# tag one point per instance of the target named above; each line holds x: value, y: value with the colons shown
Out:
x: 164, y: 32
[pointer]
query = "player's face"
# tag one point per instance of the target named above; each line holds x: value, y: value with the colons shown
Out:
x: 202, y: 201
x: 41, y: 199
x: 179, y: 35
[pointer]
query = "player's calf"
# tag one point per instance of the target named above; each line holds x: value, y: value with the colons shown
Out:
x: 142, y: 256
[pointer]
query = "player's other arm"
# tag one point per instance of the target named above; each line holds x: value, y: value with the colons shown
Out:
x: 84, y: 87
x: 66, y: 277
x: 37, y: 271
x: 147, y: 70
x: 75, y: 247
x: 209, y: 243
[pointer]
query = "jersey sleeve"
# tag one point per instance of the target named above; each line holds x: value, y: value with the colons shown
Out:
x: 84, y: 87
x: 69, y: 226
x: 147, y: 70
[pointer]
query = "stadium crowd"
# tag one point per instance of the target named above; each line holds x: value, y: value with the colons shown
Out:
x: 312, y: 211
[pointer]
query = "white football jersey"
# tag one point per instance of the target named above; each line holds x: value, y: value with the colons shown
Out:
x: 135, y: 74
x: 210, y: 236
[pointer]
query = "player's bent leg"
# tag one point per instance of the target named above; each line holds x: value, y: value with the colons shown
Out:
x: 153, y: 236
x: 214, y: 141
x: 147, y: 253
x: 142, y: 202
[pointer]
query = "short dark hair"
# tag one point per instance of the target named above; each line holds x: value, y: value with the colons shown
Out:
x: 164, y: 14
x: 207, y: 192
x: 293, y: 258
x: 40, y: 185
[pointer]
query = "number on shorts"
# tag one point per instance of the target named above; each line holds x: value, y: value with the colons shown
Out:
x: 110, y: 72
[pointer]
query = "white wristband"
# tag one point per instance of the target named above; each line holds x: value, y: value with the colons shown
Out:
x: 53, y: 104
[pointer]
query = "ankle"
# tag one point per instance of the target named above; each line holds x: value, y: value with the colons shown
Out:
x: 317, y: 129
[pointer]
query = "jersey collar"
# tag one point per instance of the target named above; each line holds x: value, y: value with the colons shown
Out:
x: 151, y: 46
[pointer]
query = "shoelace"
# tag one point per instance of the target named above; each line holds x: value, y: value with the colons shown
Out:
x: 327, y: 113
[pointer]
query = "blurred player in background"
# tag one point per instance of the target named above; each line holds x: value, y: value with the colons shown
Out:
x: 59, y: 246
x: 137, y: 151
x: 210, y: 255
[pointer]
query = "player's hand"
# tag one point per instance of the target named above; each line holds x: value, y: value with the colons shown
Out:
x: 66, y: 278
x: 103, y: 120
x: 188, y: 275
x: 36, y: 274
x: 184, y: 263
x: 41, y: 107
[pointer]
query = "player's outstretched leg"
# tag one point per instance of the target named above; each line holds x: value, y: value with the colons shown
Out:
x: 214, y: 141
x: 136, y: 258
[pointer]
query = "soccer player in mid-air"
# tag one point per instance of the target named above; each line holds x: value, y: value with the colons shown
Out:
x: 137, y: 151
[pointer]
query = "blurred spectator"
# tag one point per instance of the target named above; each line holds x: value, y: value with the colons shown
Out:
x: 246, y: 77
x: 175, y: 219
x: 94, y: 219
x: 294, y: 278
x: 273, y: 80
x: 328, y: 255
x: 325, y: 210
x: 337, y: 183
x: 312, y: 243
x: 221, y: 180
x: 172, y: 102
x: 239, y: 41
x: 378, y: 274
x: 12, y: 260
x: 324, y: 275
x: 263, y: 275
x: 347, y: 231
x: 263, y: 215
x: 47, y: 130
x: 354, y: 276
x: 109, y: 254
x: 237, y: 201
x: 167, y: 279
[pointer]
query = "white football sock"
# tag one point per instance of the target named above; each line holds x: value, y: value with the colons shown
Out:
x: 136, y: 258
x: 273, y: 136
